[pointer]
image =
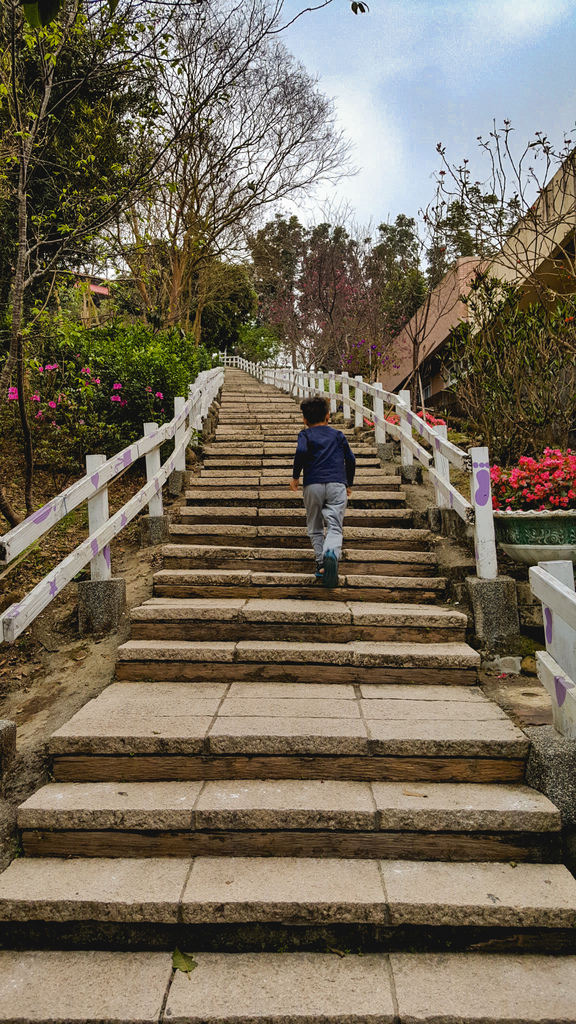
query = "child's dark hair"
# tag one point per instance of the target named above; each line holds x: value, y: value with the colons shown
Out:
x: 314, y: 410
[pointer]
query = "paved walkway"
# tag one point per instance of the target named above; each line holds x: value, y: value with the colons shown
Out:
x: 280, y: 768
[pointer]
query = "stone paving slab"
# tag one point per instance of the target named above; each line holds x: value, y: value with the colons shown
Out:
x: 292, y: 988
x: 289, y: 736
x: 499, y: 895
x: 123, y: 805
x: 287, y: 888
x: 463, y: 806
x: 478, y: 988
x: 256, y: 804
x: 422, y: 737
x: 93, y: 889
x: 83, y: 987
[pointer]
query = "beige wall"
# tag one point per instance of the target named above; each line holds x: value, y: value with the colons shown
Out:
x: 431, y: 323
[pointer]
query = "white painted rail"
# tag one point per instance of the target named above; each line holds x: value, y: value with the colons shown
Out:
x: 477, y: 512
x: 553, y: 584
x: 93, y: 489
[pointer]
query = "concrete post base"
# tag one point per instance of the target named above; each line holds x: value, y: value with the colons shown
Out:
x: 385, y: 451
x: 100, y: 605
x: 455, y: 527
x: 435, y: 519
x: 154, y: 530
x: 495, y: 607
x: 551, y: 769
x: 176, y: 482
x: 7, y: 746
x: 411, y: 474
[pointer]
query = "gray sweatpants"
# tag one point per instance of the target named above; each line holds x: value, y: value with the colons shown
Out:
x: 325, y: 506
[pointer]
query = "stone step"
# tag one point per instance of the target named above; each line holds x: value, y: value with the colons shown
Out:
x: 224, y: 449
x: 367, y: 538
x: 252, y: 516
x: 422, y: 821
x: 281, y: 497
x: 400, y: 561
x: 294, y: 901
x: 143, y: 731
x: 206, y: 618
x: 245, y: 583
x: 279, y: 464
x: 363, y: 482
x: 287, y: 661
x: 42, y: 987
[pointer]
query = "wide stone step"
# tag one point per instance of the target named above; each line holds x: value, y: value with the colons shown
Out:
x: 245, y: 478
x: 293, y: 901
x: 293, y: 619
x: 400, y: 560
x: 252, y: 516
x: 302, y: 818
x: 228, y: 450
x: 286, y: 661
x: 275, y: 498
x: 245, y: 583
x: 152, y: 731
x: 369, y: 538
x: 301, y: 987
x: 259, y: 462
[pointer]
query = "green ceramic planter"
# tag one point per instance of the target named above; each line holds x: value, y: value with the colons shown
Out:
x: 533, y: 537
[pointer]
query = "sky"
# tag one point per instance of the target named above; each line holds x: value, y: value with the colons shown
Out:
x: 411, y: 74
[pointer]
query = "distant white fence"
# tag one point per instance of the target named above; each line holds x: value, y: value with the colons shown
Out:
x: 478, y: 513
x: 553, y: 584
x: 93, y: 488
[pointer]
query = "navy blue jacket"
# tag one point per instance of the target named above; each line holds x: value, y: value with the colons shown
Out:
x: 325, y: 456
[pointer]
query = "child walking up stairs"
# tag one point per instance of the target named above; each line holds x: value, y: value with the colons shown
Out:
x: 302, y: 787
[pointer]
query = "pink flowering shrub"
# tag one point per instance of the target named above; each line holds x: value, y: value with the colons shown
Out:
x: 540, y: 484
x: 431, y: 420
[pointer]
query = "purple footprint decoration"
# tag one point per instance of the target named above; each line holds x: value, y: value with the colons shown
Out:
x: 483, y: 483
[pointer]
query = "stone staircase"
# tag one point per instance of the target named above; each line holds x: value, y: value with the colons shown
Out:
x: 284, y: 769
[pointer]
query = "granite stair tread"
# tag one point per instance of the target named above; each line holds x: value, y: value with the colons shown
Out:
x: 291, y: 805
x: 206, y: 890
x: 283, y: 718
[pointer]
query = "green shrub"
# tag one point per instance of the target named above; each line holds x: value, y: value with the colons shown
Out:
x: 91, y: 390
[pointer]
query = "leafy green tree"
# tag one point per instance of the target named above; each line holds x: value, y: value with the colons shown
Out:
x: 512, y: 371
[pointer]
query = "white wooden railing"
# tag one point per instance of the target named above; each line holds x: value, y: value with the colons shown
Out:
x: 444, y: 455
x: 553, y: 584
x: 93, y: 488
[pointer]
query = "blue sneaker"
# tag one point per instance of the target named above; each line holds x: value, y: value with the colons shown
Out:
x: 330, y: 576
x: 319, y: 574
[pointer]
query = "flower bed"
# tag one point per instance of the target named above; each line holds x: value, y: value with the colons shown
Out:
x: 536, y: 485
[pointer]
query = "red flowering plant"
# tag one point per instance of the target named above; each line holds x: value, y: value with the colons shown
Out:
x: 545, y: 484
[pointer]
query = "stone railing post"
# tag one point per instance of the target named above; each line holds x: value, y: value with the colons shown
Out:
x: 484, y: 534
x: 380, y: 425
x: 332, y: 392
x: 101, y: 599
x: 176, y: 478
x: 442, y: 467
x: 345, y: 396
x: 406, y: 455
x: 359, y: 399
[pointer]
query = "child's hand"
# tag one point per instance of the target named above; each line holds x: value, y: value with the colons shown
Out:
x: 348, y: 491
x: 294, y: 484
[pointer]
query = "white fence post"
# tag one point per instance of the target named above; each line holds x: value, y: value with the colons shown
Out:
x: 560, y: 636
x: 180, y: 461
x: 345, y: 396
x: 442, y: 466
x: 332, y: 392
x: 380, y: 425
x: 406, y: 455
x: 100, y: 568
x: 359, y: 399
x: 481, y: 496
x: 155, y: 506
